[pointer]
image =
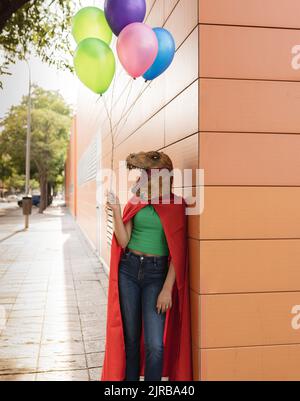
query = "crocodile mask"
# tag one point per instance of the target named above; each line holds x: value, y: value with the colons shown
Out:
x: 156, y: 174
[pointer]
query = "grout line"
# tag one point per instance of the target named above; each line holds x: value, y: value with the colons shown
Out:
x: 78, y: 309
x: 199, y: 372
x: 31, y: 372
x: 173, y: 9
x: 249, y: 26
x: 248, y: 346
x: 247, y: 132
x: 246, y: 186
x: 249, y: 293
x: 249, y: 79
x: 244, y: 239
x: 44, y: 317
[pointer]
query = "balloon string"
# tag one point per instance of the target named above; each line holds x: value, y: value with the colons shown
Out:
x: 112, y: 142
x: 112, y: 157
x: 123, y: 91
x: 112, y: 97
x: 91, y: 114
x: 129, y: 111
x: 124, y: 108
x: 125, y: 115
x: 114, y: 84
x: 99, y: 116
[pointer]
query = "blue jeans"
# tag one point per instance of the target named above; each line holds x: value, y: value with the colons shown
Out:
x: 141, y: 279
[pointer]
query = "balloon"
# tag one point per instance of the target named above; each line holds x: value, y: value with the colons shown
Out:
x: 95, y: 64
x: 120, y: 13
x: 90, y: 22
x: 137, y: 48
x: 165, y: 56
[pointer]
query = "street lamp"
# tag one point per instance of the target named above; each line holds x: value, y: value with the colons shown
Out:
x: 27, y: 202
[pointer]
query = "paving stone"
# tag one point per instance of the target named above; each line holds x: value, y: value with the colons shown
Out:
x: 95, y: 360
x: 67, y: 348
x: 95, y: 374
x: 18, y: 365
x: 17, y: 378
x: 19, y: 351
x: 94, y: 346
x: 62, y: 362
x: 75, y: 375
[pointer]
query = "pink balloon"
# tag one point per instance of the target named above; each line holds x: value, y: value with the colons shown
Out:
x: 137, y: 48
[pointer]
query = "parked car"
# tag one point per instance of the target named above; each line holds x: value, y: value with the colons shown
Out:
x: 12, y: 198
x: 36, y: 200
x: 3, y: 200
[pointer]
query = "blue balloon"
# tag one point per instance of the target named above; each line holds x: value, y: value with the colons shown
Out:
x: 165, y: 56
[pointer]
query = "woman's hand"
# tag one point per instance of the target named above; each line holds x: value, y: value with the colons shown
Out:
x: 164, y: 301
x: 112, y: 203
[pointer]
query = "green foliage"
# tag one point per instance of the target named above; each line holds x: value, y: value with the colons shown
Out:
x: 50, y: 134
x: 42, y: 26
x: 16, y: 182
x: 6, y: 169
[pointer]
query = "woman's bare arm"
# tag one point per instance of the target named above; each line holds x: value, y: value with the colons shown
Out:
x: 170, y: 279
x: 122, y: 231
x: 164, y: 301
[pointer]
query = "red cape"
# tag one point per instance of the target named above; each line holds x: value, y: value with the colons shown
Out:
x: 177, y: 336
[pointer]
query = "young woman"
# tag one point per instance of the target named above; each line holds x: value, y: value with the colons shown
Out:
x: 145, y: 287
x: 148, y: 319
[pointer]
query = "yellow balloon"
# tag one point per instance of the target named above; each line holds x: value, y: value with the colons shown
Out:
x: 90, y: 22
x: 95, y: 64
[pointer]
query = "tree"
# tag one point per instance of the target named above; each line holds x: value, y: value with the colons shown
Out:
x: 50, y: 134
x: 39, y: 25
x: 8, y: 8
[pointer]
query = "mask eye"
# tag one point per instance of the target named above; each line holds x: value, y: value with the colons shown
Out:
x: 156, y: 157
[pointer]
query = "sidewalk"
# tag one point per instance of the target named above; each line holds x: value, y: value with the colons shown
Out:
x: 53, y: 294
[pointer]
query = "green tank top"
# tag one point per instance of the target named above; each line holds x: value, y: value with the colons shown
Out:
x: 148, y: 235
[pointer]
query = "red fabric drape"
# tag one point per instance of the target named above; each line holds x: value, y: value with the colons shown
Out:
x: 177, y: 336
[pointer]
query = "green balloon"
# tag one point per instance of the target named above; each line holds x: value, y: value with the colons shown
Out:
x: 90, y: 22
x: 95, y: 64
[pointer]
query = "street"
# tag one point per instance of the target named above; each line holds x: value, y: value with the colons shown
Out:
x: 53, y: 295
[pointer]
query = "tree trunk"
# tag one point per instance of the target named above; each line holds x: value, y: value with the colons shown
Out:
x: 8, y: 8
x: 44, y: 193
x: 49, y: 192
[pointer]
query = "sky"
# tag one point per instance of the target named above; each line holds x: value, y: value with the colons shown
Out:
x: 16, y: 85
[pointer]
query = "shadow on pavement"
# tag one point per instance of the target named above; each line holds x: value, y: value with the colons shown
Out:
x: 12, y: 235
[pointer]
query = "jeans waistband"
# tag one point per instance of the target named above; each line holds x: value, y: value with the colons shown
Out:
x: 153, y: 259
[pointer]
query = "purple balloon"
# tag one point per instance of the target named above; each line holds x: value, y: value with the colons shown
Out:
x: 120, y: 13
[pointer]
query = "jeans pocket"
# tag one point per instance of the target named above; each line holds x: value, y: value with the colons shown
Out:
x: 161, y: 266
x: 158, y: 273
x: 124, y: 257
x: 126, y: 264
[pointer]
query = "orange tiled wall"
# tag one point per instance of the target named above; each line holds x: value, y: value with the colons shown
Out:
x: 89, y: 120
x: 70, y: 171
x: 245, y: 248
x: 81, y: 195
